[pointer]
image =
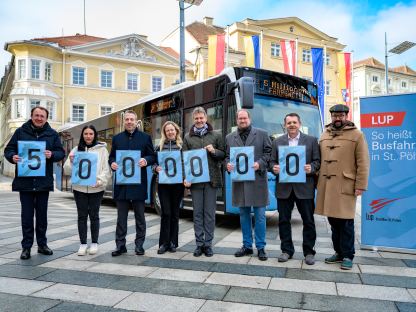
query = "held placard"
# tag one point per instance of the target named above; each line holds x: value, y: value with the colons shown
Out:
x: 171, y: 163
x: 292, y: 164
x: 243, y: 160
x: 84, y: 169
x: 33, y: 159
x: 196, y: 166
x: 128, y: 171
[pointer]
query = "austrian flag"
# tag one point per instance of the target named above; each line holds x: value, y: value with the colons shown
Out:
x: 289, y: 56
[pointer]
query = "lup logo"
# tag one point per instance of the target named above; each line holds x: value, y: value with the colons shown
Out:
x: 388, y: 119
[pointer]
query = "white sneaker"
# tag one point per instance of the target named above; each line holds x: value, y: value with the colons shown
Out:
x: 93, y: 249
x: 82, y: 251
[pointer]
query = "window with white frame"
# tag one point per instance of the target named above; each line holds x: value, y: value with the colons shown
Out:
x: 21, y: 65
x: 375, y: 78
x: 275, y: 49
x: 404, y: 84
x: 328, y: 87
x: 35, y: 69
x: 306, y: 55
x: 50, y: 106
x: 34, y: 103
x: 78, y: 113
x: 78, y: 76
x: 106, y: 79
x: 132, y: 81
x: 105, y: 110
x: 156, y: 84
x: 48, y: 71
x: 327, y: 59
x: 19, y: 108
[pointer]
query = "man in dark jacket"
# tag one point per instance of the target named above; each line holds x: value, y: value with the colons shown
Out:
x: 204, y: 195
x: 302, y: 194
x: 248, y: 195
x: 34, y: 191
x: 133, y: 195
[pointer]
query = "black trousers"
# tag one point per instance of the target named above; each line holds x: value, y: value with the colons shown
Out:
x: 34, y: 202
x: 170, y: 196
x: 88, y: 205
x: 306, y: 208
x: 343, y: 236
x: 123, y: 207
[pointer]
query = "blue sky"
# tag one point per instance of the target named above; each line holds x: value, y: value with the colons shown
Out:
x: 358, y: 24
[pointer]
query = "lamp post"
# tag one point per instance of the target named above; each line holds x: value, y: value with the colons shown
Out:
x: 399, y: 49
x: 182, y: 34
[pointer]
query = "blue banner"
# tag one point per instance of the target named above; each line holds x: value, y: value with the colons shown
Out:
x: 33, y: 159
x: 388, y: 208
x: 171, y: 163
x: 84, y: 169
x: 292, y: 164
x: 196, y: 166
x: 318, y: 78
x: 243, y: 160
x: 256, y: 47
x: 128, y: 171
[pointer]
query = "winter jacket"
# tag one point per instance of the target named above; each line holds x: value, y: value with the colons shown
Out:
x: 103, y: 169
x: 27, y: 132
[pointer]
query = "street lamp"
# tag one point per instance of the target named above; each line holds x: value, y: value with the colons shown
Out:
x: 182, y: 33
x: 399, y: 49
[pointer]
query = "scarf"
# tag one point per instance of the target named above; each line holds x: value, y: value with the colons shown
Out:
x: 201, y: 131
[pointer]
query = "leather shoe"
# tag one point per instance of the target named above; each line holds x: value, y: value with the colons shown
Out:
x: 261, y: 254
x: 198, y: 251
x: 45, y: 250
x: 284, y: 257
x: 208, y: 251
x: 119, y: 251
x: 243, y: 251
x: 162, y: 249
x: 139, y: 251
x: 172, y: 247
x: 25, y: 254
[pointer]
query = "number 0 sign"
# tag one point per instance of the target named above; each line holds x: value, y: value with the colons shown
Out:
x: 292, y: 163
x: 128, y: 171
x: 171, y: 163
x: 33, y: 163
x: 196, y: 166
x: 84, y: 170
x: 243, y: 159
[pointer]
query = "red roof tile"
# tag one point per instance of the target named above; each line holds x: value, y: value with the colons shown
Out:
x: 69, y: 41
x: 404, y: 70
x: 200, y: 31
x: 173, y: 53
x: 371, y: 61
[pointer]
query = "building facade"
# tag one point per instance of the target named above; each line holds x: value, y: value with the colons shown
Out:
x: 79, y: 78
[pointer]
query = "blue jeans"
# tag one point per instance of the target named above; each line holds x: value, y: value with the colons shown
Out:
x: 259, y: 228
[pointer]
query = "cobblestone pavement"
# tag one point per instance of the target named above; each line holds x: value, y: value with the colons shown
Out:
x: 379, y: 281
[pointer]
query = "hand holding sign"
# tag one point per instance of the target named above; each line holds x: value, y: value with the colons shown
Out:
x: 292, y: 164
x: 127, y: 167
x: 243, y: 165
x: 31, y: 160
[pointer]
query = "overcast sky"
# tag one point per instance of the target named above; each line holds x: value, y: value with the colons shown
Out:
x: 358, y: 24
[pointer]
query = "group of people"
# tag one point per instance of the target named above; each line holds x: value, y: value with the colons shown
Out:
x: 340, y: 158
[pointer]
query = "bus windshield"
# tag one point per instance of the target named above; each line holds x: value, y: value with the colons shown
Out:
x: 269, y: 112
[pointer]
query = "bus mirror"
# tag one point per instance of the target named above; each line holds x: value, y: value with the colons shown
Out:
x: 246, y: 86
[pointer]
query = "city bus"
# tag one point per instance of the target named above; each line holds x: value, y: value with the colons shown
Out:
x: 268, y: 95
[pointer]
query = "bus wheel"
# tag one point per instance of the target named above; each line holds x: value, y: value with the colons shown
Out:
x: 155, y: 197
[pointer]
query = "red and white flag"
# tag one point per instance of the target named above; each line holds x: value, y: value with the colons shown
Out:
x: 289, y: 56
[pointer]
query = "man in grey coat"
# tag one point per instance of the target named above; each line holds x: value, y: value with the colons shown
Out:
x: 302, y: 194
x: 250, y: 195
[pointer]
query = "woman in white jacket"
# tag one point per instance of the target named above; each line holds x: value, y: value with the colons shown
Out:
x: 88, y: 198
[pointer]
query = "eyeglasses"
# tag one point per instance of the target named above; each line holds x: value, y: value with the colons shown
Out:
x: 338, y: 116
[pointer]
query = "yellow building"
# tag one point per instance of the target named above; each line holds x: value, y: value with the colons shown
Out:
x: 79, y: 78
x: 272, y: 31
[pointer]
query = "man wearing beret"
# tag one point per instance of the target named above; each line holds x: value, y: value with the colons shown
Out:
x: 343, y: 176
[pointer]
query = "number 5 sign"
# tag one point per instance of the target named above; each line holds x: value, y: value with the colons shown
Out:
x: 85, y: 169
x: 128, y: 171
x: 292, y: 163
x: 33, y: 159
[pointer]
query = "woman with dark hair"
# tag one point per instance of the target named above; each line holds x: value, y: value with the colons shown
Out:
x: 88, y: 198
x: 170, y: 195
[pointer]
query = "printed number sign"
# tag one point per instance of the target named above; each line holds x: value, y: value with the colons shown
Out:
x: 33, y: 159
x: 243, y: 159
x: 128, y: 171
x: 292, y: 163
x: 196, y: 166
x: 171, y: 163
x: 84, y: 169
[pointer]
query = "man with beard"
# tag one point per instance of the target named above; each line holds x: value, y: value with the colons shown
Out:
x: 343, y: 176
x: 251, y: 195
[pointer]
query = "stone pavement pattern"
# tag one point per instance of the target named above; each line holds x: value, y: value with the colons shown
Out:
x: 379, y: 281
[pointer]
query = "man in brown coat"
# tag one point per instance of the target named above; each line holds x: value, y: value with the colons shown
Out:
x: 343, y: 176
